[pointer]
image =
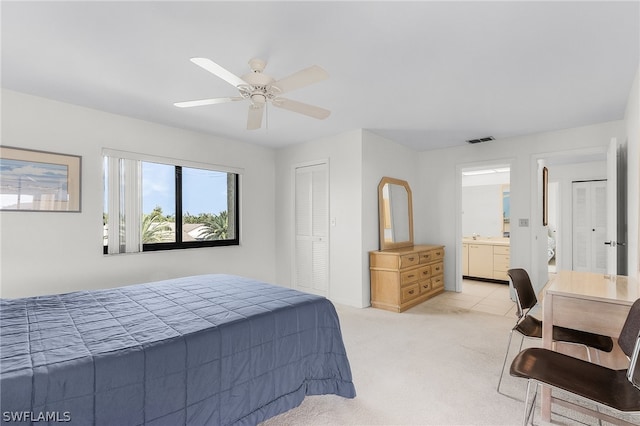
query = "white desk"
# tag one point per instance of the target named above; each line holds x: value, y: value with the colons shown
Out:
x: 591, y: 302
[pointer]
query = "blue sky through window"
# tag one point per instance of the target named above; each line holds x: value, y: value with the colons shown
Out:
x: 204, y: 191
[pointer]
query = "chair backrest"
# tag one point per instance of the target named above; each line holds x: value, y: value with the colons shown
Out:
x: 525, y: 294
x: 630, y: 330
x: 633, y: 373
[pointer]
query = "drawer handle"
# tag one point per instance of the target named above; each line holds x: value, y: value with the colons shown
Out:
x: 425, y: 272
x: 437, y: 268
x: 411, y: 291
x: 410, y: 276
x: 437, y: 253
x: 411, y: 259
x: 425, y: 286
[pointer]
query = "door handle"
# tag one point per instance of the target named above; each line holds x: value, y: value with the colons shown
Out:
x: 622, y: 244
x: 610, y: 243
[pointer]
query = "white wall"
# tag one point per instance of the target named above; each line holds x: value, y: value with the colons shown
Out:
x: 439, y: 176
x: 632, y: 122
x: 44, y: 253
x: 482, y: 210
x: 344, y: 155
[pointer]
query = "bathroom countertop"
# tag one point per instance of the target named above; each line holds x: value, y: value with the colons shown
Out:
x: 494, y: 241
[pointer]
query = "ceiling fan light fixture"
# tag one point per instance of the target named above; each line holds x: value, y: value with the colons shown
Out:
x: 258, y: 98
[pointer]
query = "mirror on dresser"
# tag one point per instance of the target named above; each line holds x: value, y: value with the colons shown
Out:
x: 395, y: 213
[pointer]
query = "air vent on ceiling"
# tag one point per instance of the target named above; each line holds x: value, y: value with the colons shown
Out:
x: 487, y: 139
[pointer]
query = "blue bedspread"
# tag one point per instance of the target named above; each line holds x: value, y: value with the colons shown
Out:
x: 202, y: 350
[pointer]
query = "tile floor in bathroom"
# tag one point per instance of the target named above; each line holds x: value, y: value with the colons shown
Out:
x: 481, y: 296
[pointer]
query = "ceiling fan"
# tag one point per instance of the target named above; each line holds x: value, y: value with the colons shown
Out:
x: 261, y: 89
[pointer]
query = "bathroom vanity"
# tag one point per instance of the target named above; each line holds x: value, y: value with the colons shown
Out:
x: 486, y: 258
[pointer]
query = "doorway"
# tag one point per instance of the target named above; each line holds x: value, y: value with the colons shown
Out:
x: 485, y: 225
x: 564, y: 168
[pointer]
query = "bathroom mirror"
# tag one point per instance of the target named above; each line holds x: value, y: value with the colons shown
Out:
x: 395, y: 213
x: 506, y: 210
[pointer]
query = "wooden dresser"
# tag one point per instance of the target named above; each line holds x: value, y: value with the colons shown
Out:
x: 405, y: 277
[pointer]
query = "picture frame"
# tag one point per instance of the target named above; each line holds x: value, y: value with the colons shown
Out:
x: 32, y: 180
x: 545, y: 196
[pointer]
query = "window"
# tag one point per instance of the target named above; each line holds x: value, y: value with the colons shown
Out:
x: 152, y: 204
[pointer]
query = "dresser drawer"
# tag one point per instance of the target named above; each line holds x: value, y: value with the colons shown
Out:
x: 437, y: 269
x: 437, y: 254
x: 409, y: 276
x: 425, y: 256
x: 425, y: 286
x: 424, y: 272
x: 409, y: 260
x: 437, y: 282
x: 410, y: 292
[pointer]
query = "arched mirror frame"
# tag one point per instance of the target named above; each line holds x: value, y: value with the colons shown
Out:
x: 382, y: 213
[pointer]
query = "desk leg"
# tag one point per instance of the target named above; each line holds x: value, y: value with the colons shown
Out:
x: 547, y: 343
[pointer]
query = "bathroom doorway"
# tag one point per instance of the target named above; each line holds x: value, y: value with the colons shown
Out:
x: 486, y: 229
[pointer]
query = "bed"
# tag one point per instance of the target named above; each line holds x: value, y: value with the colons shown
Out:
x: 201, y: 350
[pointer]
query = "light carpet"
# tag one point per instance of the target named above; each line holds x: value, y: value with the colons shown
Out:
x: 430, y: 365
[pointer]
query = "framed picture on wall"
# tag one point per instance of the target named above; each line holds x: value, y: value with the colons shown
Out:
x: 545, y: 196
x: 33, y: 180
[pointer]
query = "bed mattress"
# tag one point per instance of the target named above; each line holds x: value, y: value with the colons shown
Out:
x: 201, y: 350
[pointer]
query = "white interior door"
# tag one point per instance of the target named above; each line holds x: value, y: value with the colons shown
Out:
x: 590, y: 226
x: 312, y: 229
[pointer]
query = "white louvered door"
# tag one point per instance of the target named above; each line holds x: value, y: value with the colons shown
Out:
x: 590, y: 226
x: 311, y: 272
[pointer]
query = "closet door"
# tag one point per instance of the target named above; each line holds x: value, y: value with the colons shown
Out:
x: 312, y: 229
x: 590, y: 226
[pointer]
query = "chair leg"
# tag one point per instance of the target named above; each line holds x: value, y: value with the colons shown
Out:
x: 521, y: 342
x: 504, y: 363
x: 598, y: 359
x: 528, y: 412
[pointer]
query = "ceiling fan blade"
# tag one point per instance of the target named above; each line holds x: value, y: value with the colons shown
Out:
x: 254, y: 118
x: 302, y: 108
x: 303, y: 78
x: 217, y: 70
x: 202, y: 102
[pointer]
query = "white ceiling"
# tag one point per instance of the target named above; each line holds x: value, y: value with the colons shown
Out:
x: 425, y: 74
